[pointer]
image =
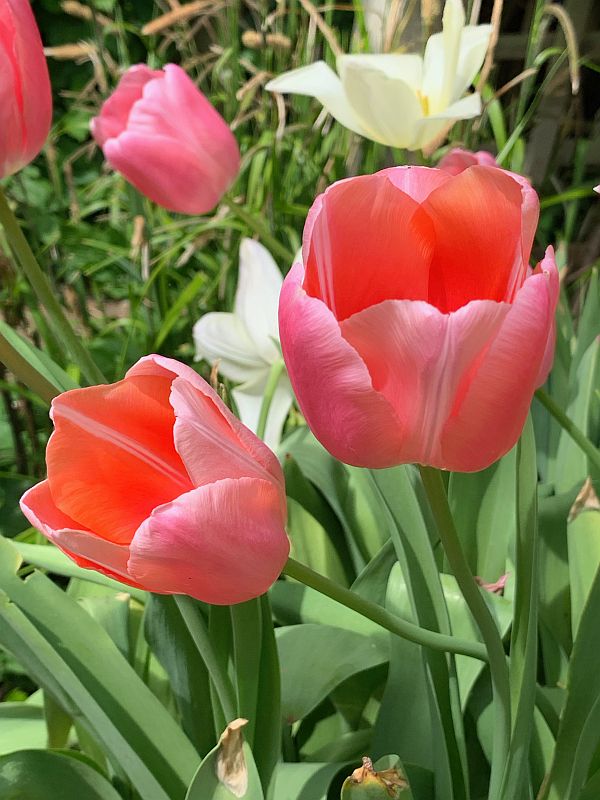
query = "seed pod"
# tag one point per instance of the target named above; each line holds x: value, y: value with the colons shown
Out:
x: 367, y: 784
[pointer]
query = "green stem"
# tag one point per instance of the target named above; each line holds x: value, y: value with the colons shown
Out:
x: 574, y: 432
x: 199, y: 633
x: 438, y: 500
x: 42, y: 288
x: 274, y: 375
x: 24, y: 372
x: 403, y: 628
x: 256, y: 225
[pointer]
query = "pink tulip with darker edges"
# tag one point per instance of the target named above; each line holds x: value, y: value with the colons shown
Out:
x: 415, y: 329
x: 161, y: 133
x: 25, y: 93
x: 457, y: 160
x: 153, y: 481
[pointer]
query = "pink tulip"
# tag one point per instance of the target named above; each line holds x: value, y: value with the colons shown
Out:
x: 416, y: 331
x: 162, y: 134
x: 25, y: 93
x: 458, y: 160
x: 152, y: 481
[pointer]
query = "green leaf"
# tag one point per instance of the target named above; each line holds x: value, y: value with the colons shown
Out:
x: 579, y: 730
x: 311, y: 545
x: 22, y: 726
x: 44, y: 775
x: 329, y: 655
x: 583, y: 537
x: 170, y: 641
x: 304, y: 781
x: 71, y: 656
x: 228, y: 772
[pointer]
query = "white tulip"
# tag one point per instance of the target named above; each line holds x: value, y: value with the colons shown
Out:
x: 401, y: 100
x: 245, y: 343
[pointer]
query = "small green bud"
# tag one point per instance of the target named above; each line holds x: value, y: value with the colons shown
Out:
x: 367, y: 784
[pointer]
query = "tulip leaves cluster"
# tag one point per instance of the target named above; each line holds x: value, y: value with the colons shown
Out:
x: 361, y: 560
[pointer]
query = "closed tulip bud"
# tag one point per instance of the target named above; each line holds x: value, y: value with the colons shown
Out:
x: 154, y: 482
x: 25, y: 93
x: 415, y: 330
x: 161, y: 133
x: 367, y: 784
x: 457, y: 160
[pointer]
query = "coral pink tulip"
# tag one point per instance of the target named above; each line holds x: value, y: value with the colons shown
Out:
x: 25, y: 94
x: 458, y: 160
x: 162, y: 134
x: 416, y: 331
x: 154, y: 482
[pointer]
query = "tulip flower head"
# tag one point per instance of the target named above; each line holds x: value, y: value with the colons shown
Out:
x: 25, y: 92
x: 415, y: 331
x: 154, y: 482
x: 401, y: 100
x: 161, y: 133
x: 245, y: 343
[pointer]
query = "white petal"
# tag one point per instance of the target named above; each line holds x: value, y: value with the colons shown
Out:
x: 389, y: 108
x: 375, y: 12
x: 249, y: 398
x: 473, y: 47
x: 404, y: 67
x: 257, y: 297
x: 431, y: 127
x: 320, y: 81
x: 441, y: 58
x: 220, y: 336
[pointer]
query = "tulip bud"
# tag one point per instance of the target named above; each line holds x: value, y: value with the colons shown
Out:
x: 367, y: 784
x: 26, y: 107
x: 163, y: 135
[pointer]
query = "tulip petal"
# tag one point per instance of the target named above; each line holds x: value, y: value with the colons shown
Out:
x: 237, y: 529
x: 257, y: 297
x: 125, y: 461
x: 223, y: 337
x: 84, y: 547
x: 156, y: 365
x: 421, y: 361
x: 430, y: 128
x: 442, y: 57
x: 166, y: 171
x: 368, y: 241
x: 376, y: 98
x: 416, y: 182
x: 112, y: 120
x: 319, y: 81
x: 249, y: 399
x: 333, y: 386
x: 477, y: 219
x: 489, y: 415
x: 405, y: 67
x: 474, y: 43
x: 208, y: 444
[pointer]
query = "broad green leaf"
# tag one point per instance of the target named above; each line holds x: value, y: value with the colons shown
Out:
x: 46, y: 775
x: 384, y: 780
x: 22, y: 727
x: 583, y: 537
x: 170, y: 641
x: 329, y: 655
x: 483, y: 505
x: 228, y: 772
x: 311, y: 545
x: 579, y: 730
x: 71, y: 656
x: 50, y: 558
x: 304, y: 780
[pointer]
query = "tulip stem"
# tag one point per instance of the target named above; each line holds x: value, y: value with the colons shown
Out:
x: 578, y: 436
x: 199, y: 633
x: 397, y: 625
x: 256, y: 225
x: 274, y: 375
x: 42, y: 288
x: 438, y: 500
